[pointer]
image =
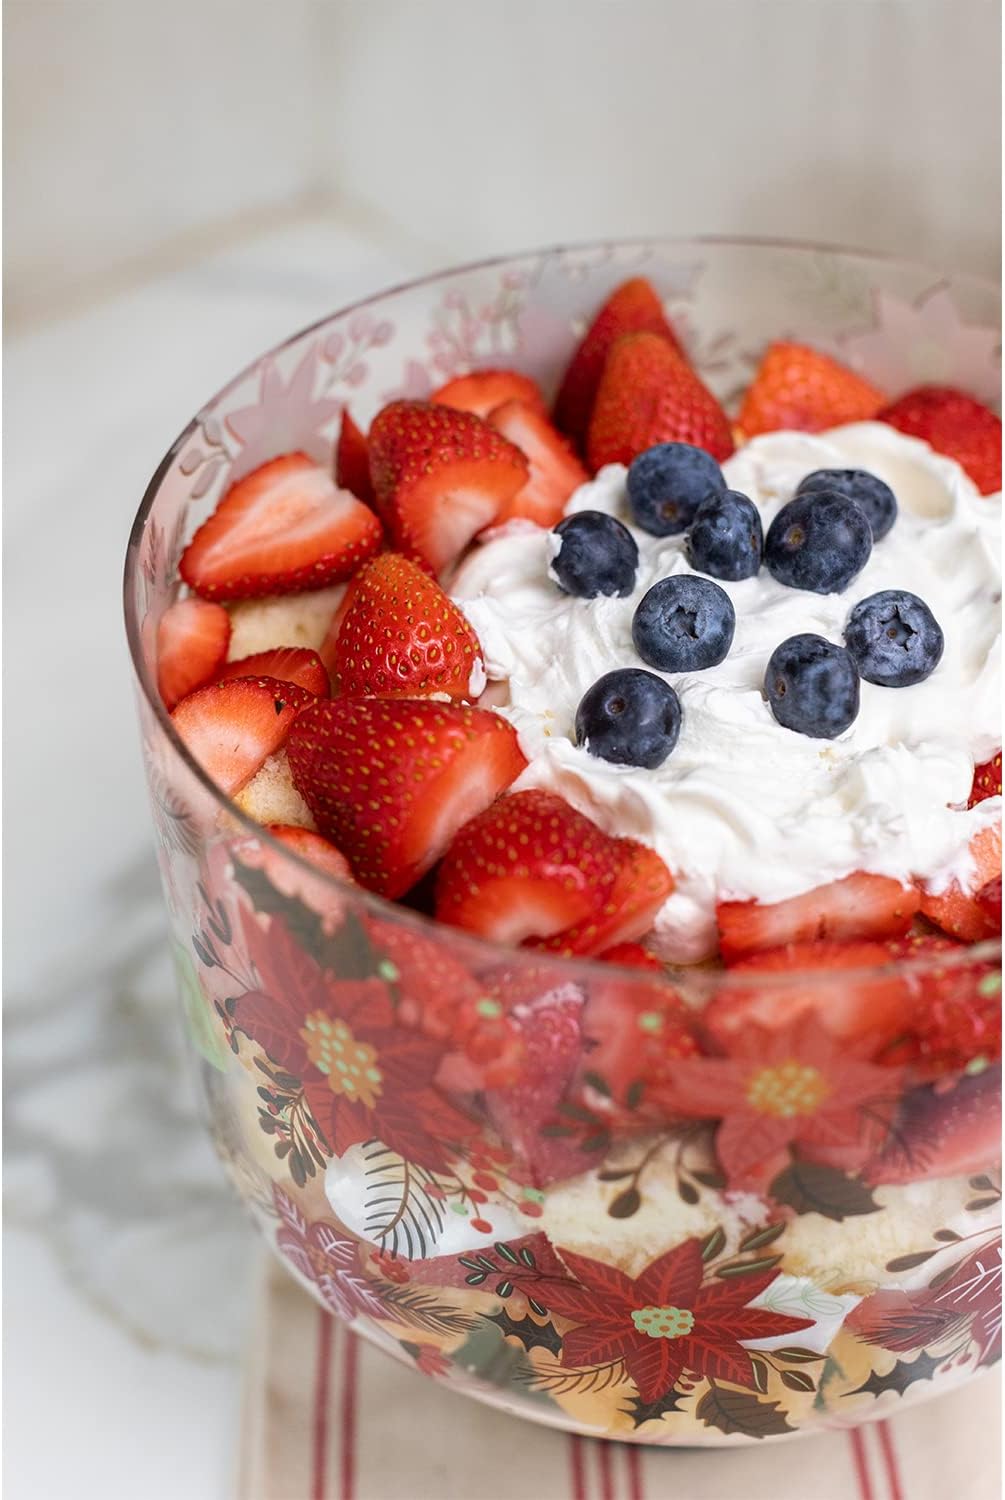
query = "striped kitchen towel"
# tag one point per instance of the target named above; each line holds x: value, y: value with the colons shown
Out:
x: 328, y: 1417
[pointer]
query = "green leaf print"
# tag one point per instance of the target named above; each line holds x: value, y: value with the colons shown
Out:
x: 198, y: 1015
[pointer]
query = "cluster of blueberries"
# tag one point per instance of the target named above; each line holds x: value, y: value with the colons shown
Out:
x: 819, y: 541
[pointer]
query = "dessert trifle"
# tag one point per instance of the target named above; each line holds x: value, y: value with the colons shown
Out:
x: 580, y: 811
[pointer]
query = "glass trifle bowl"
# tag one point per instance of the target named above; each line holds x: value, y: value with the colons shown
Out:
x: 526, y: 1179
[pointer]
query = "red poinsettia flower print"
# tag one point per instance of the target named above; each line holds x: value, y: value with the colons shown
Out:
x: 430, y: 1360
x: 798, y: 1087
x: 964, y: 1302
x: 325, y: 1258
x: 364, y: 1076
x: 666, y: 1321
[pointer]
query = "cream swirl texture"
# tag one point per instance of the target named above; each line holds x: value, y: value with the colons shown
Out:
x: 744, y: 809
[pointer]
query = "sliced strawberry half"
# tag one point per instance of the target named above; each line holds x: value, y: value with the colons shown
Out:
x: 315, y: 892
x: 280, y: 530
x: 642, y: 885
x: 860, y: 906
x: 403, y: 637
x: 231, y: 728
x: 312, y: 847
x: 987, y: 780
x: 633, y: 307
x: 529, y: 867
x: 483, y: 390
x: 649, y: 394
x: 844, y: 984
x: 955, y: 424
x: 799, y: 388
x: 192, y: 640
x: 391, y: 782
x: 440, y: 476
x: 959, y: 911
x: 555, y: 471
x: 944, y: 1132
x: 287, y: 663
x: 352, y: 461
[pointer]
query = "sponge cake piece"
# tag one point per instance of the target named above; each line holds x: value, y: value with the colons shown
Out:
x: 282, y: 620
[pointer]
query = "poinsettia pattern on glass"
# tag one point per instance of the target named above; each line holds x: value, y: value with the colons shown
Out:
x: 667, y: 1321
x: 925, y: 341
x: 795, y: 1088
x: 465, y: 335
x: 326, y: 1260
x: 364, y: 1077
x: 956, y: 1316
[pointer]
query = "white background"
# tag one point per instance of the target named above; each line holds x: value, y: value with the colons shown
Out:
x: 184, y: 185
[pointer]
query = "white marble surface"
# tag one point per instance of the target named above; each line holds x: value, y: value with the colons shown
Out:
x: 128, y: 1264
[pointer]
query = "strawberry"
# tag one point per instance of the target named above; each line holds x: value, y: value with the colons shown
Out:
x: 329, y: 646
x: 955, y: 424
x: 633, y: 307
x: 528, y: 867
x: 642, y: 885
x: 800, y: 388
x: 290, y: 878
x: 961, y: 915
x: 555, y: 471
x: 860, y: 906
x: 440, y: 476
x: 483, y: 390
x: 631, y: 956
x: 231, y: 728
x: 533, y: 870
x: 192, y: 640
x: 403, y: 637
x: 314, y: 849
x: 852, y: 1001
x: 987, y: 780
x: 989, y: 899
x: 352, y: 461
x: 287, y: 663
x: 280, y: 530
x: 648, y: 394
x: 944, y: 1132
x: 391, y: 782
x: 921, y: 945
x: 954, y: 1017
x: 958, y: 911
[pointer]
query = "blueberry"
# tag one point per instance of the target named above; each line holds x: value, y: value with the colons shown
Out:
x: 894, y: 638
x: 876, y: 498
x: 684, y: 624
x: 666, y: 484
x: 812, y: 686
x: 819, y: 541
x: 726, y: 539
x: 630, y: 717
x: 596, y: 555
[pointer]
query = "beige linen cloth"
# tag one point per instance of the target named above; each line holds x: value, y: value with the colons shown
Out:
x: 327, y: 1417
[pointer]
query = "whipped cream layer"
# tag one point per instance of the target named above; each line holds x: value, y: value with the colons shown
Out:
x: 744, y: 808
